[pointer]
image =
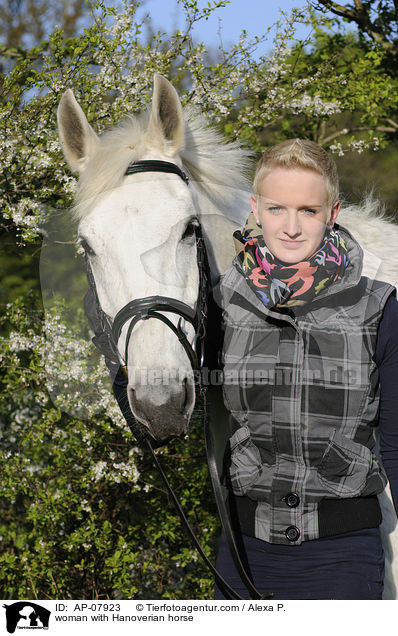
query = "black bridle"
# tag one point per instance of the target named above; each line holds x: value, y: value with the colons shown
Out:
x: 151, y: 306
x: 107, y: 338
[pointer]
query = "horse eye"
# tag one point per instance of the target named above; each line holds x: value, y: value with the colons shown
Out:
x: 190, y: 229
x: 86, y: 247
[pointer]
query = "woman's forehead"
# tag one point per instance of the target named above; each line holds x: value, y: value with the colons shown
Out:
x: 291, y: 183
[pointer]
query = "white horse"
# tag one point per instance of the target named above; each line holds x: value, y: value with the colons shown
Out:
x: 136, y: 231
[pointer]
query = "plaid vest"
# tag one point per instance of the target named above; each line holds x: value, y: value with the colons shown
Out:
x: 302, y: 388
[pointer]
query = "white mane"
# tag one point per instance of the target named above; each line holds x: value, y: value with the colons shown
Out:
x: 218, y: 169
x: 377, y: 234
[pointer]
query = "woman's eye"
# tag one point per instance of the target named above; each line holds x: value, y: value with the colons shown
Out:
x: 275, y: 209
x: 190, y: 230
x: 310, y: 211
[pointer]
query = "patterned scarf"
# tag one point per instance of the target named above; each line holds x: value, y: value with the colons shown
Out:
x: 278, y: 283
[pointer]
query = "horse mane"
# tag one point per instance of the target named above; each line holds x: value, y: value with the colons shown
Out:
x: 116, y: 148
x: 370, y: 207
x: 218, y: 169
x: 369, y: 219
x: 377, y: 233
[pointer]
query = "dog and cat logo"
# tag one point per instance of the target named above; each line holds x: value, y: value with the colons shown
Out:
x: 26, y: 615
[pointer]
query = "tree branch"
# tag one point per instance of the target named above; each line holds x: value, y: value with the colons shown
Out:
x: 339, y: 133
x: 361, y: 17
x: 347, y: 131
x: 392, y: 123
x: 338, y: 9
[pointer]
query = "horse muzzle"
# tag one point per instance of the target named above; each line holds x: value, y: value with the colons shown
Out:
x: 163, y: 408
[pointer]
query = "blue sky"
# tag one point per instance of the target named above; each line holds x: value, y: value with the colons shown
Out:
x: 253, y: 15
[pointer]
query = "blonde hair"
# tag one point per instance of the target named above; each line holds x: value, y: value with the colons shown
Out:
x: 299, y: 153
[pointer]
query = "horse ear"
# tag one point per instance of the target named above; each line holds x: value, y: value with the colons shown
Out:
x: 78, y: 139
x: 167, y: 121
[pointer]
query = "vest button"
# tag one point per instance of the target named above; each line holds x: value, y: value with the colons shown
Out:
x: 292, y: 500
x: 292, y: 533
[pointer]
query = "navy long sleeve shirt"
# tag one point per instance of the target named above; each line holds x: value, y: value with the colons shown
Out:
x: 387, y: 362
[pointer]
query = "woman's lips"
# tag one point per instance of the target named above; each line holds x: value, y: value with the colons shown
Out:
x: 289, y: 243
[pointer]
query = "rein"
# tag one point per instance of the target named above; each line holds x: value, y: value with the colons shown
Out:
x: 107, y: 334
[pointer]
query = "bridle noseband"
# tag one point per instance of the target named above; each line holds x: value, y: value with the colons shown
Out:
x: 149, y: 307
x: 107, y: 338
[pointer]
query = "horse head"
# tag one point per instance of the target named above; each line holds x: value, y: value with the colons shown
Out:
x: 138, y: 234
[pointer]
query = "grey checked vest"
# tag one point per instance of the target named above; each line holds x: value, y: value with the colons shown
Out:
x: 302, y: 388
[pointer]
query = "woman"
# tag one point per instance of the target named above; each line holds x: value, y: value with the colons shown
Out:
x: 308, y: 344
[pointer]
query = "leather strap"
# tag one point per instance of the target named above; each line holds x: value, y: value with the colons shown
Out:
x: 155, y: 165
x: 224, y: 516
x: 142, y: 307
x: 220, y: 580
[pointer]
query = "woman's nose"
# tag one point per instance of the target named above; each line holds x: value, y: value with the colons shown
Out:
x: 292, y: 223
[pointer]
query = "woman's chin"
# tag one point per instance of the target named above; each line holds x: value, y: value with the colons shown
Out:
x: 291, y: 255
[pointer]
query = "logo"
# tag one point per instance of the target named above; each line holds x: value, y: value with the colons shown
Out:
x: 26, y: 615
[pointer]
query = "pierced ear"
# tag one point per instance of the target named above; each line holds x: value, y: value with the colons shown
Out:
x: 167, y: 121
x: 334, y: 214
x: 253, y: 206
x: 78, y: 139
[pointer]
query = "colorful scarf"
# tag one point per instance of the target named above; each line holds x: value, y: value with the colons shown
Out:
x: 278, y: 283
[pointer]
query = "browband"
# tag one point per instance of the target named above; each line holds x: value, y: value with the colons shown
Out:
x: 155, y: 165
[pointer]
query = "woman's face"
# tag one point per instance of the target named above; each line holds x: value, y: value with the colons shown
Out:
x: 293, y: 212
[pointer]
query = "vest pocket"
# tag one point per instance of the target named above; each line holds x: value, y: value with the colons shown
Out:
x: 245, y: 463
x: 345, y: 466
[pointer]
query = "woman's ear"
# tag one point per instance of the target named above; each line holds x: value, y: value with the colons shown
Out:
x: 253, y: 205
x: 334, y: 214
